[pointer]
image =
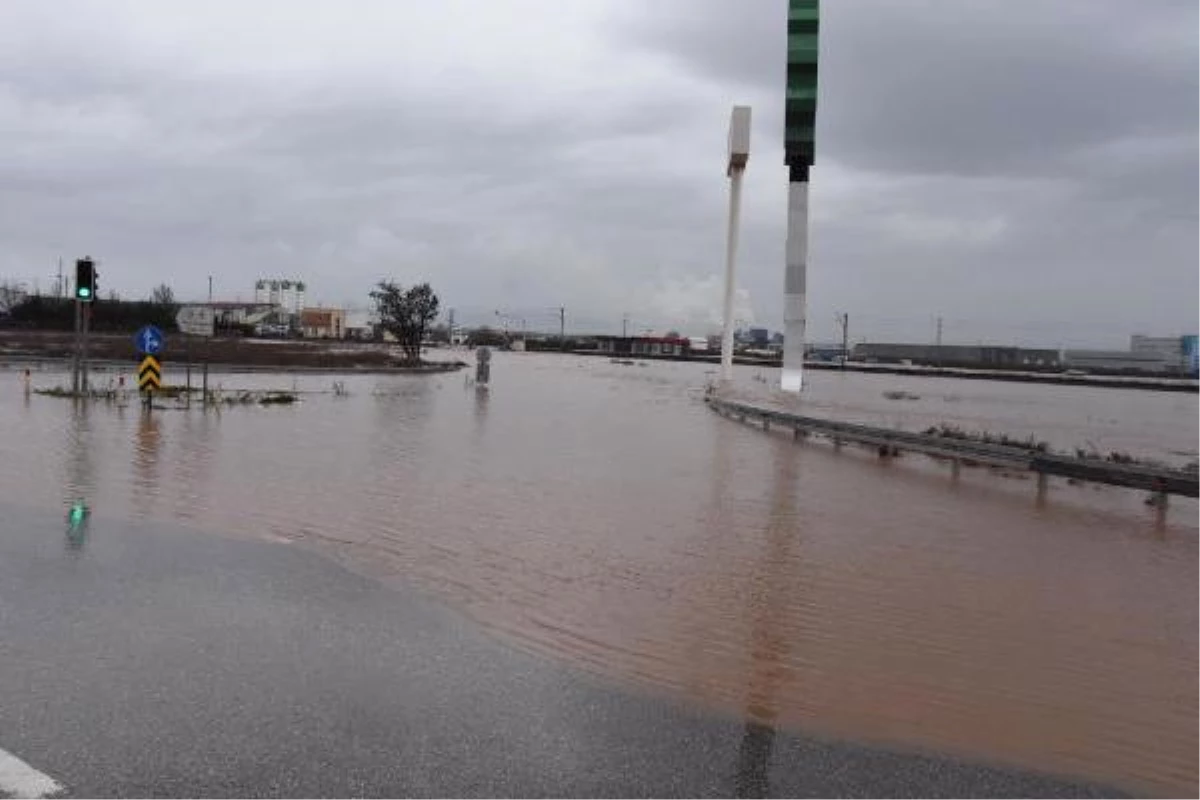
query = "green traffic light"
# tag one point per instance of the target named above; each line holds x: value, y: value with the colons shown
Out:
x: 84, y: 292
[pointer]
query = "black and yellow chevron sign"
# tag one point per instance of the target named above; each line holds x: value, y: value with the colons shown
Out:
x: 149, y: 374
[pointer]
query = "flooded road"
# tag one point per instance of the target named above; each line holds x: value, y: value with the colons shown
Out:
x: 599, y: 513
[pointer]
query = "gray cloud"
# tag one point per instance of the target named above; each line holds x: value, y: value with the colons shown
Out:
x: 1027, y: 171
x: 1029, y: 176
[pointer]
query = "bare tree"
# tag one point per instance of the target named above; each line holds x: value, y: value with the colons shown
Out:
x: 406, y: 314
x: 11, y: 295
x: 162, y: 295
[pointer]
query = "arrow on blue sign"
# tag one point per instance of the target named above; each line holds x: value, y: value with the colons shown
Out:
x: 149, y: 340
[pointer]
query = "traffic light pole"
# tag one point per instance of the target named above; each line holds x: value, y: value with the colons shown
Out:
x: 85, y: 294
x: 87, y: 324
x: 75, y: 349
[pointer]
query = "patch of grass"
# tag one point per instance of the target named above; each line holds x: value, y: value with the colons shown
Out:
x: 277, y: 398
x: 246, y: 398
x: 1029, y: 443
x: 1121, y: 457
x: 91, y: 394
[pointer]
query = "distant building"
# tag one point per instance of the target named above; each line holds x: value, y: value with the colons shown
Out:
x: 824, y: 352
x: 1120, y: 361
x: 1170, y: 348
x: 323, y: 323
x: 359, y: 324
x: 287, y: 294
x: 953, y: 355
x: 1191, y: 354
x: 644, y: 345
x: 758, y: 337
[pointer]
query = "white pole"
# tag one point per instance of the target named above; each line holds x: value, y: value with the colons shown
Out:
x: 794, y: 288
x: 731, y: 243
x: 739, y: 154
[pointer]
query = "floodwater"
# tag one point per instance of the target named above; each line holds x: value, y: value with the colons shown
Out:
x: 601, y: 514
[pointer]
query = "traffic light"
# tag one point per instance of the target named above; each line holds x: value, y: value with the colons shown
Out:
x: 85, y: 280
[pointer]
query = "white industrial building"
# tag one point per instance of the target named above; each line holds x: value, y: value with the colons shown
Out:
x: 1169, y: 348
x: 282, y: 293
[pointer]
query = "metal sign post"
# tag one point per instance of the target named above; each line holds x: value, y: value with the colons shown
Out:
x: 196, y: 321
x: 149, y: 341
x: 149, y: 379
x: 483, y: 366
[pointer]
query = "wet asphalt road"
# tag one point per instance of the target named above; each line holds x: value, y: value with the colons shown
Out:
x: 149, y: 660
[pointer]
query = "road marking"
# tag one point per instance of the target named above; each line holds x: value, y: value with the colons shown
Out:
x: 18, y: 779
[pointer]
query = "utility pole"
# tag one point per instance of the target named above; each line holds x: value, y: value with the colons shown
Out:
x: 61, y: 287
x: 844, y: 321
x: 739, y: 154
x: 625, y: 326
x: 939, y: 332
x: 450, y: 325
x: 562, y: 328
x: 207, y: 344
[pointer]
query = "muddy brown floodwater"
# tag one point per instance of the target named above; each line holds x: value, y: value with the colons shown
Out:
x: 600, y: 513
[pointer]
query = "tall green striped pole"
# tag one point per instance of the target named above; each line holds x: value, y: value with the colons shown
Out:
x: 800, y: 115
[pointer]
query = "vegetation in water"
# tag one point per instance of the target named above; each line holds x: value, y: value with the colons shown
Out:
x: 984, y: 437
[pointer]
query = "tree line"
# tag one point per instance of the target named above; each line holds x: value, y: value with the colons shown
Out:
x: 42, y: 312
x: 408, y: 315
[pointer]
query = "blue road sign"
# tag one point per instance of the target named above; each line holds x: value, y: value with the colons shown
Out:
x: 149, y: 340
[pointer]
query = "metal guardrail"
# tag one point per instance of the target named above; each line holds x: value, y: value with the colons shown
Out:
x: 1163, y: 481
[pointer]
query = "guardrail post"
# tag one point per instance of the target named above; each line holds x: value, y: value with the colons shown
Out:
x: 955, y: 468
x: 1042, y: 483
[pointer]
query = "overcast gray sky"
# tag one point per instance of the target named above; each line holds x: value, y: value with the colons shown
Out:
x: 1025, y: 169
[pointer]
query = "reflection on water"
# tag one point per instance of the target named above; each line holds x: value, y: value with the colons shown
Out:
x: 754, y: 755
x: 198, y: 438
x: 481, y: 404
x: 77, y: 455
x: 77, y: 527
x: 147, y: 442
x: 769, y: 647
x: 600, y: 513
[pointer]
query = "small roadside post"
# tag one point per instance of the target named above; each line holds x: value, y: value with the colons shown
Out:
x: 483, y: 366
